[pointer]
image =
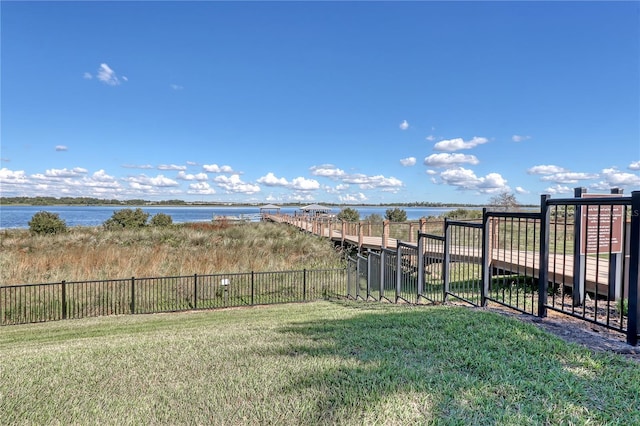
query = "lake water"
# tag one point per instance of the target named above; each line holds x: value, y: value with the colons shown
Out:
x: 19, y: 216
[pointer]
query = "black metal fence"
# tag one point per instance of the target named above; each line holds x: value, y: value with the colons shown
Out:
x: 64, y: 300
x: 577, y: 256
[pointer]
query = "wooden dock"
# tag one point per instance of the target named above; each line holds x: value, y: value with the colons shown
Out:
x: 560, y: 267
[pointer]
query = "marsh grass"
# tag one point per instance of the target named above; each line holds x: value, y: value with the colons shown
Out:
x: 318, y: 363
x: 94, y: 253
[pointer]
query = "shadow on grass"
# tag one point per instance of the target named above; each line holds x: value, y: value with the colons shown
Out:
x: 456, y: 366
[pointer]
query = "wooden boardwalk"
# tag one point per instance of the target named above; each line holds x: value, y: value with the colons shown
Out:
x: 560, y: 267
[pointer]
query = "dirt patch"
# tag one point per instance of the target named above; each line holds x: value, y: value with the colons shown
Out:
x: 573, y: 330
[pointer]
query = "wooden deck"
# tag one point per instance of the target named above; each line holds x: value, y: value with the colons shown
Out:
x: 560, y: 267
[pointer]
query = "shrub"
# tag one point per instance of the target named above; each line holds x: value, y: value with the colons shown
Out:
x: 396, y: 215
x: 374, y: 218
x: 463, y: 214
x: 126, y: 218
x: 161, y: 219
x: 348, y: 214
x: 47, y: 223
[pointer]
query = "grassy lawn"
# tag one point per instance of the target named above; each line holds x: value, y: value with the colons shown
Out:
x: 317, y: 363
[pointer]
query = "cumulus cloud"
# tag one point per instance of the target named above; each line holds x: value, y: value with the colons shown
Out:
x: 171, y: 167
x: 408, y: 162
x: 404, y: 125
x: 58, y: 173
x: 353, y: 198
x: 458, y: 144
x: 615, y: 178
x: 233, y: 184
x: 521, y: 190
x: 214, y: 168
x: 299, y: 183
x: 635, y: 165
x: 271, y: 180
x: 108, y: 76
x: 520, y: 138
x: 568, y: 177
x: 302, y: 184
x: 143, y: 181
x: 200, y: 188
x: 466, y: 179
x: 449, y: 160
x: 188, y: 176
x: 137, y: 166
x: 558, y: 189
x: 61, y: 148
x: 372, y: 182
x: 430, y: 138
x: 545, y: 170
x: 327, y: 170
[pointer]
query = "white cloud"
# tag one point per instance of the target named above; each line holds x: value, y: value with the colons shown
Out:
x: 466, y: 179
x: 143, y: 181
x: 61, y: 148
x: 545, y: 170
x: 635, y: 165
x: 558, y: 189
x: 188, y: 176
x: 373, y: 182
x: 58, y: 173
x: 353, y: 198
x: 449, y: 160
x: 520, y: 138
x: 87, y: 76
x: 521, y: 190
x: 431, y: 172
x: 171, y: 167
x: 200, y: 188
x: 214, y: 168
x: 615, y: 178
x: 271, y: 180
x: 233, y: 184
x: 404, y: 125
x: 176, y: 87
x: 568, y: 177
x: 458, y: 144
x: 108, y: 76
x: 9, y: 176
x: 430, y: 138
x: 302, y: 184
x: 408, y: 162
x: 137, y: 166
x: 327, y: 170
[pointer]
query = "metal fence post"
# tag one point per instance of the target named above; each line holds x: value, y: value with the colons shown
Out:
x: 252, y: 288
x: 398, y: 272
x: 578, y: 293
x: 486, y: 258
x: 304, y: 284
x: 64, y: 299
x: 133, y: 295
x: 420, y: 264
x: 445, y: 260
x: 634, y: 272
x: 195, y: 291
x: 543, y: 257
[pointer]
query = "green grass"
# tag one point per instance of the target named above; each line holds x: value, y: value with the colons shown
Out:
x: 317, y: 363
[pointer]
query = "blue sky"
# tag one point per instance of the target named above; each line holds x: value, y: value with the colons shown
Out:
x: 345, y: 102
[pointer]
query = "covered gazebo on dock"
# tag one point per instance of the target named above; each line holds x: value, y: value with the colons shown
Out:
x: 269, y: 209
x: 315, y: 210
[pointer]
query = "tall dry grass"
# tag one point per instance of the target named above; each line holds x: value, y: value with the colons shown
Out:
x: 94, y: 253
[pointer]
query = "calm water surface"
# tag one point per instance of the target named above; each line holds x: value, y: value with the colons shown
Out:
x: 19, y: 216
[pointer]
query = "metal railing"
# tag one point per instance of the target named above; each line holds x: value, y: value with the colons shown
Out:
x: 577, y: 256
x: 79, y: 299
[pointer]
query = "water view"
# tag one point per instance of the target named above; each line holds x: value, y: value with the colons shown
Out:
x: 19, y: 216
